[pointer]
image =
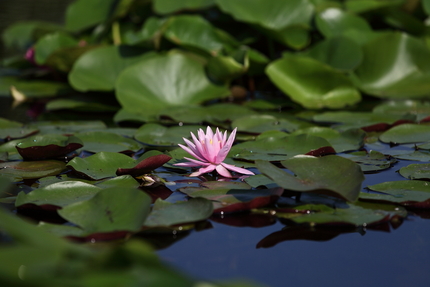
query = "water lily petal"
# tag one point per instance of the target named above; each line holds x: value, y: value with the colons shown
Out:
x: 191, y: 152
x: 204, y: 163
x: 199, y: 147
x: 223, y: 171
x: 203, y: 170
x: 237, y: 169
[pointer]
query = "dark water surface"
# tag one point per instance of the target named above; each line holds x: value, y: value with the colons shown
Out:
x: 400, y: 257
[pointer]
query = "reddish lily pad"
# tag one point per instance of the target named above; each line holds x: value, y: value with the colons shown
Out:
x: 111, y: 209
x: 58, y: 194
x: 47, y: 146
x: 101, y: 165
x: 145, y: 166
x: 31, y: 169
x: 408, y: 193
x: 167, y: 214
x: 416, y: 171
x: 329, y: 175
x: 234, y: 200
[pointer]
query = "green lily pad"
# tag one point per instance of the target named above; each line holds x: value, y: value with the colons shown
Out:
x: 67, y: 127
x: 48, y: 44
x: 168, y: 6
x: 83, y: 14
x: 234, y: 200
x: 329, y: 175
x: 360, y: 119
x: 31, y: 169
x: 351, y: 139
x: 16, y: 133
x: 146, y: 87
x: 419, y: 108
x: 167, y: 214
x: 395, y: 65
x: 32, y: 88
x: 98, y: 69
x: 111, y: 209
x: 58, y: 194
x: 262, y: 123
x: 416, y: 156
x: 49, y: 146
x: 416, y: 171
x: 406, y: 133
x: 273, y: 15
x: 277, y: 149
x: 409, y: 193
x: 106, y: 141
x: 372, y: 161
x: 158, y: 135
x: 77, y: 105
x: 101, y: 165
x: 311, y: 83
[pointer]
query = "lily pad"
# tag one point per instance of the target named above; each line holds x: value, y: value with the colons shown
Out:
x: 351, y: 139
x: 98, y: 141
x: 98, y: 69
x: 101, y: 165
x: 58, y: 194
x: 158, y: 135
x: 234, y: 200
x: 111, y: 209
x: 312, y: 84
x: 372, y: 161
x: 145, y: 166
x: 406, y: 133
x: 409, y: 193
x: 46, y: 45
x: 263, y: 123
x: 32, y: 88
x: 416, y: 156
x: 31, y: 169
x: 168, y: 6
x: 49, y: 146
x: 16, y: 133
x: 167, y: 214
x: 416, y: 171
x: 329, y: 175
x: 157, y: 82
x: 67, y: 127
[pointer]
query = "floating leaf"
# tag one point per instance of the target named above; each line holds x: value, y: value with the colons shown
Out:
x: 409, y: 193
x: 372, y: 161
x: 351, y: 139
x: 329, y: 175
x: 33, y: 88
x: 234, y: 200
x: 49, y: 146
x: 83, y: 14
x: 111, y: 209
x: 416, y: 156
x: 157, y: 82
x: 58, y: 194
x: 98, y: 69
x: 107, y: 141
x: 406, y: 133
x: 263, y: 123
x: 78, y: 105
x: 50, y: 43
x: 16, y: 133
x: 31, y: 169
x: 416, y: 171
x: 326, y: 87
x: 167, y: 214
x: 145, y: 166
x: 101, y: 165
x: 67, y: 127
x: 168, y: 6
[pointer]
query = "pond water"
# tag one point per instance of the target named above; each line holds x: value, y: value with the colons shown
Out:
x: 399, y: 257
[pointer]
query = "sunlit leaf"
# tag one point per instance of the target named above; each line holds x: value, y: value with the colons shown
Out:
x: 407, y: 133
x: 50, y: 43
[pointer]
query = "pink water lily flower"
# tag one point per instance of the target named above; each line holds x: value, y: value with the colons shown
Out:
x: 210, y: 150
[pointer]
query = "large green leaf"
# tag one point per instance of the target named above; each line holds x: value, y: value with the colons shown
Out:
x: 167, y: 214
x: 264, y: 122
x: 329, y: 175
x: 98, y: 69
x: 406, y: 133
x: 271, y: 14
x: 31, y: 169
x: 158, y: 82
x: 32, y: 88
x: 416, y: 171
x: 111, y: 209
x: 311, y: 83
x: 98, y: 141
x: 58, y: 194
x: 395, y: 65
x: 170, y: 6
x: 50, y: 43
x: 83, y: 14
x: 101, y: 165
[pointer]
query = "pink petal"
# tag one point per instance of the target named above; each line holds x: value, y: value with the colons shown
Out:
x: 191, y: 152
x: 237, y: 169
x: 203, y: 170
x: 209, y: 132
x: 204, y: 163
x: 223, y: 171
x: 200, y: 148
x: 230, y: 140
x: 187, y: 164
